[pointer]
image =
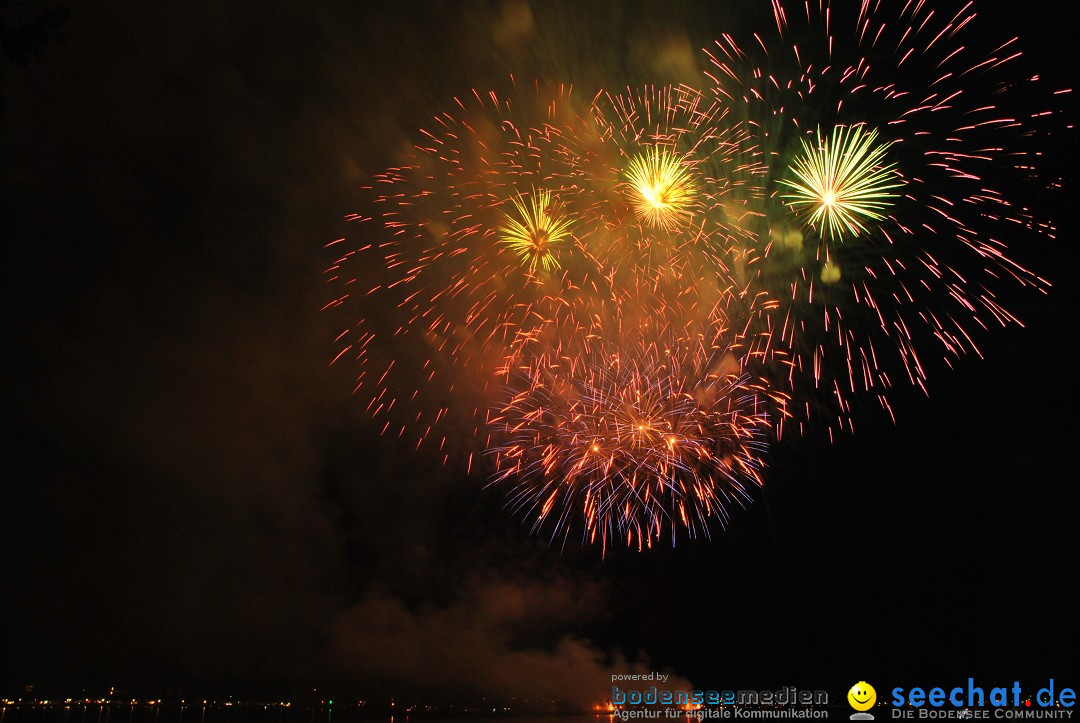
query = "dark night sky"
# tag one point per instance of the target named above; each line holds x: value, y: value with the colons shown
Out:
x: 190, y: 496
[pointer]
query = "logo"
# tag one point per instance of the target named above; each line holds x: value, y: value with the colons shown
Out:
x: 862, y: 697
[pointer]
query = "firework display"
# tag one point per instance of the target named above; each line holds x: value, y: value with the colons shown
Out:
x: 612, y: 307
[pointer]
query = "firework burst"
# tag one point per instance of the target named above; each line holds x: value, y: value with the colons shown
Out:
x: 537, y: 232
x: 921, y: 284
x: 841, y: 180
x: 473, y: 248
x: 661, y: 189
x: 632, y: 440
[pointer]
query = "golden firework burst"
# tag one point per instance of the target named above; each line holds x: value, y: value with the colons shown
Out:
x: 661, y: 188
x: 536, y: 230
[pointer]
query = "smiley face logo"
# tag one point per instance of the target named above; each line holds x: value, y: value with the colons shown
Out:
x: 862, y: 696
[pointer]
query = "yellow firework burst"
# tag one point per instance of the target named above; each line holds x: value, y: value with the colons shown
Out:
x: 661, y: 188
x: 842, y: 181
x: 536, y: 230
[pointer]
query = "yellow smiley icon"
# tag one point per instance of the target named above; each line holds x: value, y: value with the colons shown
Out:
x: 862, y: 696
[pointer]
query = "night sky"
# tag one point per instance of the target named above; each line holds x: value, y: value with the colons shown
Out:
x: 190, y: 496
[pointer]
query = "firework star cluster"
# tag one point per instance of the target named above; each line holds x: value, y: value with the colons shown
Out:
x: 612, y: 304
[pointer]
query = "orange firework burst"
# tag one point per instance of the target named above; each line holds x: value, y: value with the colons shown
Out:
x: 631, y: 440
x: 446, y: 292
